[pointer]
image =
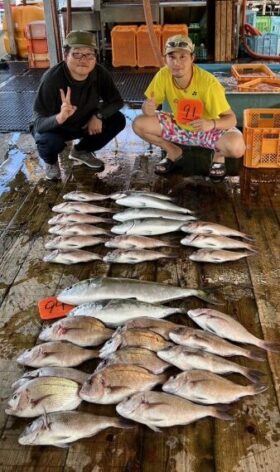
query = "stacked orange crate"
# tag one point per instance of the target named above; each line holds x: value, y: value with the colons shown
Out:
x: 37, y: 44
x: 124, y: 45
x: 145, y: 55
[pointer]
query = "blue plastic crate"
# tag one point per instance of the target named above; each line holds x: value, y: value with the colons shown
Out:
x: 275, y: 24
x: 251, y: 17
x: 268, y: 44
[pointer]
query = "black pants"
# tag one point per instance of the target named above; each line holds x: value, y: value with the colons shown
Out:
x: 51, y: 143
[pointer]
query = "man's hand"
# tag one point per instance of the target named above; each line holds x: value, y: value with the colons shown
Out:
x: 202, y: 125
x: 66, y: 109
x: 149, y: 106
x: 94, y: 125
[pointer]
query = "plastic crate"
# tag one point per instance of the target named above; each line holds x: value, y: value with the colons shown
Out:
x: 261, y: 129
x: 265, y: 85
x: 124, y: 45
x: 275, y: 24
x: 246, y: 72
x: 251, y: 17
x: 267, y: 44
x: 171, y: 30
x: 263, y: 24
x: 36, y: 30
x: 145, y: 55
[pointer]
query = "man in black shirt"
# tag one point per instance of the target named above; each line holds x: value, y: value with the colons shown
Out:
x: 77, y: 98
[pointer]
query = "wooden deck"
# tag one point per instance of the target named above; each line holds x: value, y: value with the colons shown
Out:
x: 248, y: 288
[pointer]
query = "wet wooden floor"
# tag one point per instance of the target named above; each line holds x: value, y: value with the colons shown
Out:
x: 248, y: 289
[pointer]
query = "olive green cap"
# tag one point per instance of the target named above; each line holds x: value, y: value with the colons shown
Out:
x: 80, y: 39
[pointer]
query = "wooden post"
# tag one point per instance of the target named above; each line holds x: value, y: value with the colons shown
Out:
x: 10, y: 27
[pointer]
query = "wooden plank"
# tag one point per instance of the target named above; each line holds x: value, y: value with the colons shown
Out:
x: 223, y: 13
x: 217, y: 31
x: 229, y: 32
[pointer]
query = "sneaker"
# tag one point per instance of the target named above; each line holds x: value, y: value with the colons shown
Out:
x: 87, y: 158
x: 53, y: 172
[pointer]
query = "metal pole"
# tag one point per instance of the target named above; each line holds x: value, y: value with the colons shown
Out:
x: 50, y: 33
x: 10, y: 26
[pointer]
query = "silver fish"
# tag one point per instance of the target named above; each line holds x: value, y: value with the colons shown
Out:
x: 80, y: 207
x: 127, y: 193
x: 156, y: 409
x: 44, y: 395
x: 80, y: 218
x: 102, y: 288
x: 187, y: 358
x: 80, y: 330
x: 137, y: 356
x: 140, y: 213
x: 144, y: 201
x: 112, y: 384
x: 60, y: 354
x: 225, y: 326
x: 162, y: 327
x: 199, y: 339
x: 71, y: 257
x: 147, y: 227
x: 201, y: 386
x: 77, y: 230
x: 72, y: 242
x: 116, y: 312
x: 65, y: 372
x: 136, y: 242
x: 80, y: 196
x: 61, y: 428
x: 206, y: 227
x: 214, y: 242
x: 135, y: 256
x: 219, y: 256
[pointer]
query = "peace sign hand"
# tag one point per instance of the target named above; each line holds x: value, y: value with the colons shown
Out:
x: 66, y: 109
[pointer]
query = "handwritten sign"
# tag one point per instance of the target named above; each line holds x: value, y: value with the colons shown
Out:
x: 189, y: 110
x: 50, y: 308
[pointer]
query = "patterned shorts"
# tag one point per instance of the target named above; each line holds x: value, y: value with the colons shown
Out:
x: 170, y: 131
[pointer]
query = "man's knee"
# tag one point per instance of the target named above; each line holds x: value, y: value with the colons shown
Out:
x: 49, y: 143
x: 121, y: 121
x: 138, y: 124
x: 232, y: 146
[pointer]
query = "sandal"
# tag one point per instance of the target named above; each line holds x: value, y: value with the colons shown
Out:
x: 217, y: 171
x: 165, y: 166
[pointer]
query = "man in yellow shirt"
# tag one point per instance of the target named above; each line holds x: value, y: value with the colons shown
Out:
x: 200, y: 114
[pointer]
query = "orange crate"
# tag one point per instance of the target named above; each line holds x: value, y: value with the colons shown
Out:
x: 36, y: 30
x: 266, y: 85
x: 246, y: 72
x: 145, y: 55
x: 171, y: 30
x: 124, y: 46
x: 261, y: 129
x: 37, y: 46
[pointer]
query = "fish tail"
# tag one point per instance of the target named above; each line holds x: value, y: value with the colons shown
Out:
x: 258, y: 388
x: 270, y: 346
x: 163, y: 378
x: 256, y: 355
x: 206, y: 296
x: 220, y: 412
x: 125, y: 424
x: 247, y: 237
x: 94, y: 353
x: 253, y: 375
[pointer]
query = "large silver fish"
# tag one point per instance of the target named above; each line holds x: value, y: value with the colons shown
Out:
x: 80, y: 207
x: 156, y: 409
x: 61, y: 428
x: 137, y: 356
x: 219, y: 256
x: 104, y: 288
x: 144, y: 201
x: 140, y: 213
x: 135, y: 256
x: 44, y: 395
x: 60, y: 354
x: 147, y: 227
x: 77, y: 230
x: 162, y: 327
x: 80, y: 330
x: 201, y: 386
x: 80, y: 218
x: 135, y: 193
x: 80, y: 196
x: 225, y: 326
x: 71, y: 257
x: 116, y: 312
x: 72, y: 242
x: 214, y: 242
x: 113, y: 383
x: 206, y: 227
x: 65, y: 372
x: 187, y: 358
x: 136, y: 242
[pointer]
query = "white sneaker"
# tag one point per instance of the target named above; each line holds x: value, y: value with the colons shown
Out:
x: 53, y: 172
x: 87, y: 158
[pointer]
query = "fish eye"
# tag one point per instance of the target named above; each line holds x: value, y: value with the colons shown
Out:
x: 15, y: 396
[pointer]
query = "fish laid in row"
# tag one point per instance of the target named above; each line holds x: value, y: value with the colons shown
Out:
x: 73, y: 242
x: 205, y: 241
x: 65, y: 372
x: 83, y: 196
x: 135, y: 256
x: 206, y: 227
x: 136, y: 242
x: 79, y: 218
x: 76, y: 256
x: 77, y: 207
x: 147, y: 227
x: 219, y: 256
x: 138, y: 356
x: 144, y: 201
x: 142, y: 213
x: 77, y: 230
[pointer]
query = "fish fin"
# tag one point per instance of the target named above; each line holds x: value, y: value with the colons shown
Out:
x: 34, y: 403
x: 253, y: 375
x: 45, y: 420
x: 153, y: 427
x: 257, y: 355
x: 270, y: 346
x: 220, y: 412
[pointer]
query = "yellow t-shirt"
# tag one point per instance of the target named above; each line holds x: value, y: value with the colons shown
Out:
x: 205, y: 91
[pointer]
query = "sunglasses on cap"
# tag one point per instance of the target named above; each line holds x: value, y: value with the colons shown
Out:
x: 177, y: 44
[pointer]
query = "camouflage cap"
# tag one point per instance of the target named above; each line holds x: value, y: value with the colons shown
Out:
x: 179, y: 41
x: 80, y: 39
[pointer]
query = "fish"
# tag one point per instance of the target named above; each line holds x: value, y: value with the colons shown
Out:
x: 147, y: 227
x: 115, y: 382
x: 187, y: 358
x: 57, y: 354
x: 77, y: 230
x: 80, y: 196
x: 206, y: 227
x: 136, y: 242
x: 219, y: 256
x: 80, y: 218
x: 61, y: 428
x: 72, y: 242
x: 71, y: 257
x: 204, y: 387
x: 102, y: 288
x: 135, y: 256
x: 145, y: 201
x: 227, y: 327
x: 65, y: 372
x: 208, y: 342
x: 158, y: 409
x: 80, y: 207
x: 44, y: 395
x: 137, y: 356
x: 162, y: 327
x: 116, y: 312
x: 141, y: 213
x: 215, y: 242
x: 127, y: 193
x: 80, y: 330
x: 134, y: 337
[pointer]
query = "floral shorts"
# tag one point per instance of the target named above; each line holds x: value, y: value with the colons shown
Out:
x: 170, y: 131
